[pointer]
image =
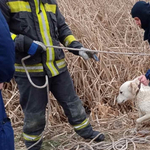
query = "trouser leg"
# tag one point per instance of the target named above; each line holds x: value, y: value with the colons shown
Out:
x: 63, y: 90
x: 33, y: 102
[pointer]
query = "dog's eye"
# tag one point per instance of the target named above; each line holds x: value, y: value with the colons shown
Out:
x: 121, y: 92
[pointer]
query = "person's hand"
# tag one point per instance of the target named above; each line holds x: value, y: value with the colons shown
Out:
x: 87, y: 54
x: 36, y: 47
x: 143, y: 80
x: 1, y: 85
x: 40, y: 44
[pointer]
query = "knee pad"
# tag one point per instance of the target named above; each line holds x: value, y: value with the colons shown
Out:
x: 34, y: 123
x: 75, y: 112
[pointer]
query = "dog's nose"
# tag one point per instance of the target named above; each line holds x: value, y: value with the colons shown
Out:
x: 118, y: 100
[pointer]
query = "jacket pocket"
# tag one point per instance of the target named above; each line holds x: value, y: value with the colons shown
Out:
x: 59, y: 53
x: 54, y: 23
x: 24, y: 23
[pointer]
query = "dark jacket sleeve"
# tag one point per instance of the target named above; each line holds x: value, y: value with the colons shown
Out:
x: 65, y: 34
x: 7, y: 52
x: 147, y: 75
x: 23, y: 43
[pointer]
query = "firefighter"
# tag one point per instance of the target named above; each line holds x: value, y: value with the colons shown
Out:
x: 7, y: 60
x: 37, y: 23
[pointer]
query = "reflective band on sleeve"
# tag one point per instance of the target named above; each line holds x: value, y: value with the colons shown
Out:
x: 30, y: 68
x: 50, y: 8
x: 18, y: 6
x: 69, y: 39
x: 84, y: 124
x: 61, y: 63
x: 31, y: 137
x: 13, y: 36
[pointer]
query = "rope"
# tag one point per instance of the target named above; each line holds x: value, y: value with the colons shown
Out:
x: 121, y: 144
x: 99, y: 51
x: 29, y: 78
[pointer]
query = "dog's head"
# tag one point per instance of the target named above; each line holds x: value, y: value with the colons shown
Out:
x: 128, y: 90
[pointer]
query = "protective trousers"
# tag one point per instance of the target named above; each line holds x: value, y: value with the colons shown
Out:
x: 6, y: 131
x: 34, y: 101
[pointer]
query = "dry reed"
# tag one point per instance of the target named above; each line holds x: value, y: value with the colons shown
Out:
x: 100, y: 25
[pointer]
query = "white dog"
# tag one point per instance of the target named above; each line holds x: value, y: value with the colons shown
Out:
x: 140, y: 93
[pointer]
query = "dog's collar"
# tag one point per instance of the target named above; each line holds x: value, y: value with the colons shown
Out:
x: 139, y: 86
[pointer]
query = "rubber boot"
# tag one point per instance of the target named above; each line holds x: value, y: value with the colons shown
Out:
x: 100, y: 138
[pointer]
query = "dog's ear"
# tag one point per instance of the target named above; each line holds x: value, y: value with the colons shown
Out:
x: 134, y: 88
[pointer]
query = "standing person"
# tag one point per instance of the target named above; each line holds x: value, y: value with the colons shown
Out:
x: 7, y: 57
x: 38, y: 23
x: 141, y: 14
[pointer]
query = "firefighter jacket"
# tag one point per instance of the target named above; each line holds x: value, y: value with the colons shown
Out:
x: 39, y: 20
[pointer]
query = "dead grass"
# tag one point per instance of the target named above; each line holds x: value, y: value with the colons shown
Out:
x: 100, y: 25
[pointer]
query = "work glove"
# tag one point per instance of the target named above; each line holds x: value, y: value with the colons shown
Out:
x: 40, y: 44
x: 86, y: 54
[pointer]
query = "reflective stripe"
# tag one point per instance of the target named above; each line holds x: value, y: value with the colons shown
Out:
x: 84, y: 124
x: 45, y: 32
x: 32, y: 68
x: 61, y: 63
x: 31, y: 137
x: 18, y: 6
x: 50, y: 8
x: 13, y: 36
x: 69, y: 39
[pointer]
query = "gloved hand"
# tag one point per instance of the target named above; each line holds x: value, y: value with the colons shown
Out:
x: 86, y: 55
x: 40, y: 44
x: 36, y: 47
